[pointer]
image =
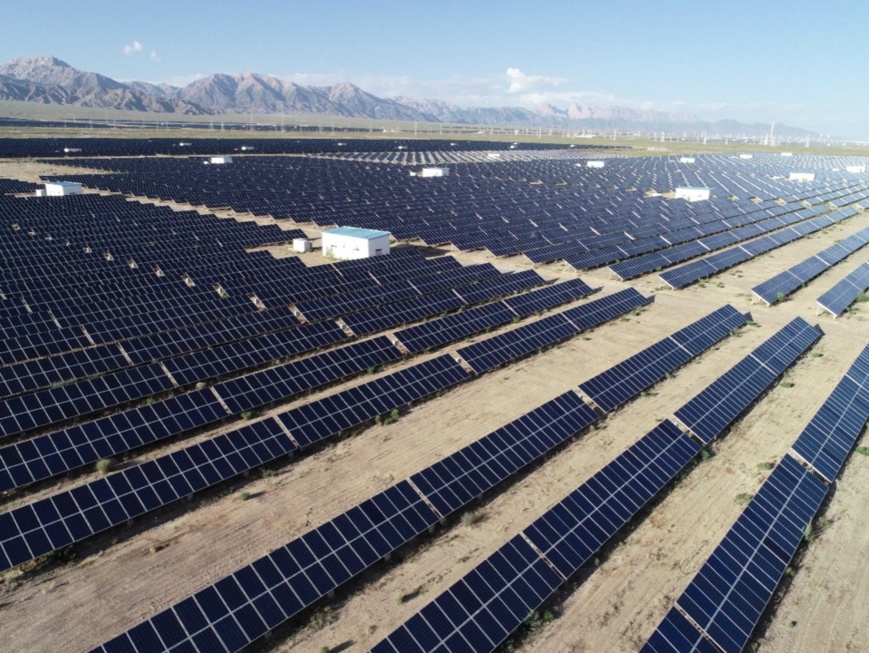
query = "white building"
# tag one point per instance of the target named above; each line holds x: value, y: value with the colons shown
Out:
x: 802, y: 176
x: 686, y: 159
x: 855, y: 168
x: 60, y: 188
x: 71, y: 150
x: 301, y: 245
x: 353, y: 243
x: 787, y: 153
x: 595, y: 164
x: 693, y: 193
x: 248, y: 148
x: 746, y: 156
x: 435, y: 172
x: 221, y: 159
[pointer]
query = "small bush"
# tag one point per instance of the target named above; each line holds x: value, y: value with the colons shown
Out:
x: 247, y: 414
x: 325, y: 649
x: 105, y: 465
x: 470, y: 518
x: 744, y: 497
x: 817, y: 354
x: 265, y: 472
x: 63, y: 556
x: 786, y: 384
x: 705, y: 454
x: 863, y: 451
x: 245, y: 496
x: 389, y: 419
x: 862, y: 298
x: 764, y: 466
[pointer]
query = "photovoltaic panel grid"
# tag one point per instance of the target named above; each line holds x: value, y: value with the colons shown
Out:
x: 838, y: 298
x: 511, y: 345
x: 831, y: 434
x: 731, y: 591
x: 483, y: 608
x: 287, y: 580
x: 615, y: 386
x: 709, y: 413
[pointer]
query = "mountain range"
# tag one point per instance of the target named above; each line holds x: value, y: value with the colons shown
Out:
x: 48, y: 80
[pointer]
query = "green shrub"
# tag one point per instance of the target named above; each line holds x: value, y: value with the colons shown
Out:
x: 245, y: 496
x: 105, y: 465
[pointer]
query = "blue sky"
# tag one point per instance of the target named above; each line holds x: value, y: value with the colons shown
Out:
x: 797, y: 63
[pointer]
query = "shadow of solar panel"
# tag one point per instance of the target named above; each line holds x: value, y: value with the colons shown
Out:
x: 331, y: 415
x: 737, y: 582
x: 464, y: 476
x: 831, y: 434
x: 625, y: 380
x: 710, y: 412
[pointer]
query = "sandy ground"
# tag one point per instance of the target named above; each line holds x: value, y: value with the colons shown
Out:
x: 131, y: 573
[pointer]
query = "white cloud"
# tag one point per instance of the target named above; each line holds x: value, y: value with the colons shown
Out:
x: 153, y: 56
x: 522, y: 83
x: 135, y: 47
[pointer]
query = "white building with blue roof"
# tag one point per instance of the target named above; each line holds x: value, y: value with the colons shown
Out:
x: 348, y: 243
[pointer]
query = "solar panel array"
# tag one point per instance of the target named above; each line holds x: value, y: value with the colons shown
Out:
x: 512, y: 345
x: 831, y: 434
x: 838, y: 298
x: 245, y: 605
x: 727, y: 597
x: 615, y: 386
x: 687, y: 274
x: 709, y: 413
x: 483, y: 608
x: 783, y: 284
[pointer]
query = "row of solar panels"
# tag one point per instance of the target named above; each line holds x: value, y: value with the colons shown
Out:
x: 783, y: 284
x: 330, y: 555
x: 722, y: 605
x: 84, y: 444
x: 306, y: 425
x: 489, y: 603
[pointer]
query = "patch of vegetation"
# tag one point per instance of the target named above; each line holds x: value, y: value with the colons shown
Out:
x: 63, y: 556
x: 780, y: 298
x: 471, y: 518
x: 786, y: 384
x: 247, y: 414
x: 863, y: 451
x: 862, y: 298
x: 389, y: 419
x: 321, y: 618
x: 265, y: 472
x: 765, y: 466
x: 705, y: 454
x: 744, y: 497
x: 817, y: 354
x: 105, y: 465
x: 245, y: 496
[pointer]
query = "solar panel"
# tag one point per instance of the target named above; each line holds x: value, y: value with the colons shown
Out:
x: 831, y: 434
x: 497, y: 350
x: 458, y: 479
x: 838, y: 298
x: 625, y: 380
x: 450, y: 328
x: 731, y: 591
x: 325, y: 417
x: 484, y: 607
x: 711, y: 411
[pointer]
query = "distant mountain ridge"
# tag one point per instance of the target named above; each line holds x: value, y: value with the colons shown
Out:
x: 48, y: 80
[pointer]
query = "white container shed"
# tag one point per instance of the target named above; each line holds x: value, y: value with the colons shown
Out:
x: 746, y: 156
x: 595, y: 164
x: 349, y: 243
x: 60, y: 188
x: 221, y: 159
x: 435, y: 172
x: 686, y: 159
x: 855, y: 168
x: 802, y: 176
x: 693, y: 193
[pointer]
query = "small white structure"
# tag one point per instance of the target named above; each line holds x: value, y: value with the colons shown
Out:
x: 247, y: 148
x: 787, y: 153
x: 686, y: 159
x: 71, y: 150
x: 221, y: 159
x: 693, y: 193
x: 60, y: 188
x: 746, y: 156
x: 353, y: 243
x: 435, y: 172
x: 493, y: 155
x: 301, y: 245
x: 40, y: 192
x: 855, y: 168
x: 594, y: 164
x: 802, y: 176
x: 184, y: 144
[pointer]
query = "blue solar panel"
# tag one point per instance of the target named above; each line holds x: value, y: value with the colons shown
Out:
x: 709, y: 413
x: 831, y: 434
x: 730, y: 592
x: 618, y: 384
x: 838, y: 298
